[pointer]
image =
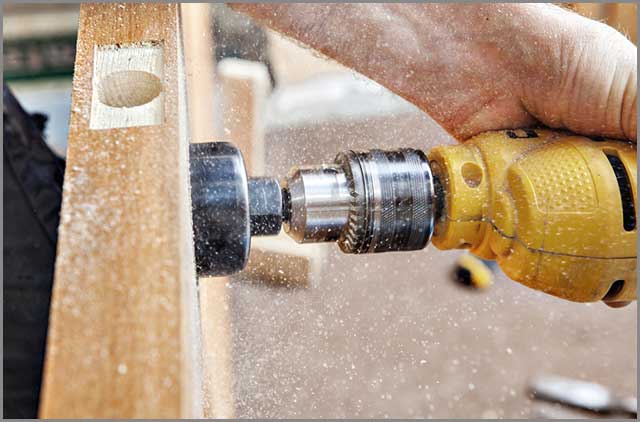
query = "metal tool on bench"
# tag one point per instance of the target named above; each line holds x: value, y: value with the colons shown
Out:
x: 556, y: 210
x: 582, y: 395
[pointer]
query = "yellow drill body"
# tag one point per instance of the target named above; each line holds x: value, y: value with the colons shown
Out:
x: 556, y: 210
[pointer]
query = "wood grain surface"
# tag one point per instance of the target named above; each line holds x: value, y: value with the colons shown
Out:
x: 214, y: 299
x: 124, y: 335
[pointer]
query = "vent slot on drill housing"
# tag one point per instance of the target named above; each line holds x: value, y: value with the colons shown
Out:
x: 626, y: 192
x: 614, y: 290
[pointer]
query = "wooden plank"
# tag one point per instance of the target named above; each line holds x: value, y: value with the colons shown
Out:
x: 623, y: 17
x: 214, y: 299
x: 293, y: 63
x: 217, y: 348
x: 200, y: 66
x: 124, y: 329
x: 590, y: 10
x: 245, y: 86
x: 278, y: 261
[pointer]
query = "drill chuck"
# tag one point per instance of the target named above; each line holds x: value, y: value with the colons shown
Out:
x: 373, y: 201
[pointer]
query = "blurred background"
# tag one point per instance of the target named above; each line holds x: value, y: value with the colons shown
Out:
x: 39, y: 51
x: 371, y: 336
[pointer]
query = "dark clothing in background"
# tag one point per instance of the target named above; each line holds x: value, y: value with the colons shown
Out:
x: 32, y: 193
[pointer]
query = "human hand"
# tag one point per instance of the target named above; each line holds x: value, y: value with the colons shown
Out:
x: 478, y: 67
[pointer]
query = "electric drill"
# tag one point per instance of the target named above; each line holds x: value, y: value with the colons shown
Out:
x: 555, y: 210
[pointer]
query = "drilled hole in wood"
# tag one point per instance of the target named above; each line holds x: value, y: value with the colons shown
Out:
x: 129, y: 88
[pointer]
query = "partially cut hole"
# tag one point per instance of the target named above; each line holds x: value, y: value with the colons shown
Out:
x: 129, y: 88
